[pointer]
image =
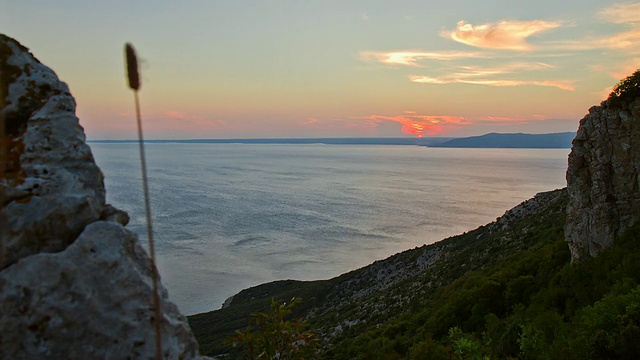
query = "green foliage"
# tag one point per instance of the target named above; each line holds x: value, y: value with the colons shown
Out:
x: 465, y: 346
x: 510, y: 293
x: 271, y: 336
x: 533, y: 304
x: 627, y: 89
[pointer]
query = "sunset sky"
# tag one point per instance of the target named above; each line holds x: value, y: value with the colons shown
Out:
x: 284, y: 68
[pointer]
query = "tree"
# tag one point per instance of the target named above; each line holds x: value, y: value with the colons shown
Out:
x: 270, y: 336
x: 627, y: 89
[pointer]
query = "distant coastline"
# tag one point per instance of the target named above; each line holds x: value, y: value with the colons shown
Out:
x: 432, y: 141
x: 513, y: 141
x: 492, y: 140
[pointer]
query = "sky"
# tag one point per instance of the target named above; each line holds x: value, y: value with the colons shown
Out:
x: 286, y: 69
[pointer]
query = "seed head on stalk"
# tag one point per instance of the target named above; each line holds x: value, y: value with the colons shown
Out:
x: 134, y: 83
x: 132, y: 67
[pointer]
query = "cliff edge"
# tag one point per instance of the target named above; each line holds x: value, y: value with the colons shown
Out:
x: 74, y: 283
x: 602, y: 176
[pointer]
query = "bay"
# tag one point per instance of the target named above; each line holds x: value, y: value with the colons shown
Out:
x: 230, y: 216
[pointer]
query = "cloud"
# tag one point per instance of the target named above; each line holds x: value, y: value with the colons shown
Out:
x: 625, y: 69
x: 415, y: 124
x: 411, y: 58
x: 487, y: 76
x: 185, y: 122
x: 621, y: 13
x: 626, y: 40
x: 310, y: 121
x: 505, y: 35
x: 475, y: 71
x: 628, y: 15
x: 410, y: 121
x: 420, y: 125
x: 501, y: 119
x: 560, y: 84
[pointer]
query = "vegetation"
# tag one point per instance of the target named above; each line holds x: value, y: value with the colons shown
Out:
x: 533, y: 305
x: 627, y: 89
x: 505, y: 290
x: 271, y: 336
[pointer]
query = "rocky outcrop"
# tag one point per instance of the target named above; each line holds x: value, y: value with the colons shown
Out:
x: 602, y: 177
x: 74, y: 283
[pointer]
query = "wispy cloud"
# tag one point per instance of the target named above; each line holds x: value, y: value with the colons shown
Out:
x: 182, y: 121
x: 505, y: 35
x: 488, y: 76
x: 453, y: 79
x: 621, y: 13
x: 501, y: 119
x: 509, y: 68
x: 626, y: 68
x: 627, y: 40
x: 412, y: 58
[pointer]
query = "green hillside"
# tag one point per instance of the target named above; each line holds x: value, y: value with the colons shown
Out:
x: 504, y: 290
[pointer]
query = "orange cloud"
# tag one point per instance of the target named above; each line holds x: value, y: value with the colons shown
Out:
x: 413, y: 123
x: 411, y: 58
x: 622, y: 13
x: 505, y: 35
x: 421, y: 125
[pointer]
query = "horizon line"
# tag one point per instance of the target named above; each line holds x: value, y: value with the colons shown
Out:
x: 309, y: 139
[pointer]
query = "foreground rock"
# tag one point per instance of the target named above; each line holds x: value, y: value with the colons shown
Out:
x: 74, y: 283
x: 602, y: 177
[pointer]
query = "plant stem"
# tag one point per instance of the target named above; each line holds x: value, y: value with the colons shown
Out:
x: 152, y: 253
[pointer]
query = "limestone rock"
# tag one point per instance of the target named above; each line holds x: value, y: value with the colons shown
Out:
x: 602, y: 177
x: 51, y: 188
x: 74, y: 284
x: 91, y: 301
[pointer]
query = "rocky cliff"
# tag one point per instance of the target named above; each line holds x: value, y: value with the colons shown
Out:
x: 602, y: 177
x: 74, y: 283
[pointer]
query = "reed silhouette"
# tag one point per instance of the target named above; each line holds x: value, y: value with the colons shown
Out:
x: 134, y: 83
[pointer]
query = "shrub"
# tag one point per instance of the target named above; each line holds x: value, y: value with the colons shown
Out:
x: 270, y: 336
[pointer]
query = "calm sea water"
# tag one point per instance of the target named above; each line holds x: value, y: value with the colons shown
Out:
x: 229, y: 216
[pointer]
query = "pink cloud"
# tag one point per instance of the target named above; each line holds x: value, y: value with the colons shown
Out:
x: 505, y: 35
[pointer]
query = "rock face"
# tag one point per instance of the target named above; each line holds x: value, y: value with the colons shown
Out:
x: 74, y: 283
x: 602, y: 177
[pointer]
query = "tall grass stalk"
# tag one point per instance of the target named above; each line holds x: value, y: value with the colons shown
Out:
x: 134, y: 84
x: 3, y: 162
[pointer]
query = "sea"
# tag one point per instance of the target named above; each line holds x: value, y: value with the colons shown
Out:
x: 230, y: 216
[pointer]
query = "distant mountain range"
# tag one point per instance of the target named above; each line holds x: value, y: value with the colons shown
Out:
x: 492, y: 140
x: 519, y: 140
